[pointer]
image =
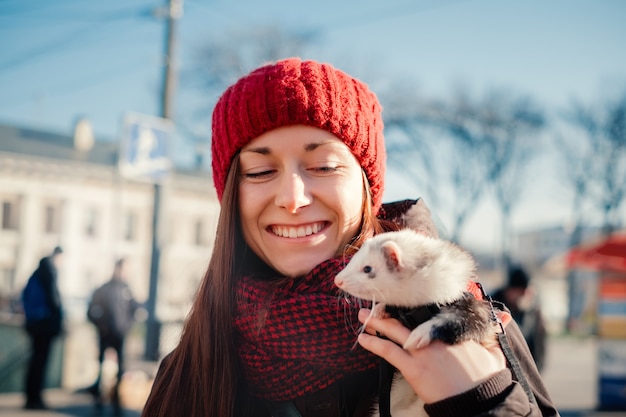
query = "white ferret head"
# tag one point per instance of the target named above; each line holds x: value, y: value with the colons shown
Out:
x: 407, y: 269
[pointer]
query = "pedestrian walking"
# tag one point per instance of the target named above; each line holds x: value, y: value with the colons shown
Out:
x: 43, y: 310
x: 112, y: 310
x: 525, y: 309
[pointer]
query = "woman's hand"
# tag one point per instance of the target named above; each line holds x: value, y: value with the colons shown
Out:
x: 436, y: 371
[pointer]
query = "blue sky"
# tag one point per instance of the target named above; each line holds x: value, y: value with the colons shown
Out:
x: 68, y: 58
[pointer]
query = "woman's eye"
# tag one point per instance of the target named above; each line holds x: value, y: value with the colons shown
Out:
x: 258, y: 175
x: 326, y: 169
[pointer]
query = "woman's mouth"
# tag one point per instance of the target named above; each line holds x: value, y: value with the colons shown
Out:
x: 297, y: 231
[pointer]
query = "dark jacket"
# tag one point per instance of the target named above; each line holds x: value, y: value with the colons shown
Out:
x: 41, y: 301
x: 532, y: 326
x: 112, y: 308
x: 499, y: 396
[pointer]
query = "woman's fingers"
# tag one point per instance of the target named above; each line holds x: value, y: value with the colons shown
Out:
x: 435, y: 371
x: 392, y: 353
x: 392, y: 329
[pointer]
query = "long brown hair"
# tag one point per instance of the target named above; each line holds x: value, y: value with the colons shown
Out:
x: 200, y: 377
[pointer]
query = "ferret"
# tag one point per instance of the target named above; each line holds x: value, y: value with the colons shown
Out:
x: 404, y: 270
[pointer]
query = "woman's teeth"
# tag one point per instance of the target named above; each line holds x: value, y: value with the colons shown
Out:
x: 294, y: 232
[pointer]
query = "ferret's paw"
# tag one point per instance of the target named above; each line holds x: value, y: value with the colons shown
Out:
x: 378, y: 311
x: 419, y: 337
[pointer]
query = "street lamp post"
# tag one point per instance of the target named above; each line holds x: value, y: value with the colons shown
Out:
x: 174, y: 12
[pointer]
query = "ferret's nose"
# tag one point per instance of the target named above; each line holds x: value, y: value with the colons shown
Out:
x: 338, y: 282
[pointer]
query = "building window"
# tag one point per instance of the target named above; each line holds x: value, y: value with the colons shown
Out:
x: 90, y: 280
x: 52, y: 218
x: 130, y: 226
x: 7, y: 280
x: 91, y: 222
x: 10, y: 213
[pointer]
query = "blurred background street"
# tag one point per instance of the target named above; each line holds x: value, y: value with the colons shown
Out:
x: 570, y: 373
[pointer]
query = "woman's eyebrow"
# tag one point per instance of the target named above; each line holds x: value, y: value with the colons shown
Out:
x: 314, y: 145
x: 263, y: 150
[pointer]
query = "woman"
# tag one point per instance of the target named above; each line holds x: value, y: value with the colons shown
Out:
x: 298, y: 165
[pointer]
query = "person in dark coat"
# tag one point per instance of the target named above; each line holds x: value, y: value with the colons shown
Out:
x: 525, y: 310
x: 112, y: 310
x: 43, y: 310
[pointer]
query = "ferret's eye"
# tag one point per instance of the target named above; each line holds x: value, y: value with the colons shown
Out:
x: 367, y: 269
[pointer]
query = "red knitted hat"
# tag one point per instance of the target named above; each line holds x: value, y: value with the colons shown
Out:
x: 291, y: 92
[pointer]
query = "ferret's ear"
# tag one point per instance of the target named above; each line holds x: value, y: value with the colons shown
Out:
x: 391, y: 252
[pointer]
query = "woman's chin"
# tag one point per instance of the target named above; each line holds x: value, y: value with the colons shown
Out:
x: 295, y: 268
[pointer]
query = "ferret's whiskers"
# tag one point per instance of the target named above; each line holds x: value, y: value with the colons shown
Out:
x: 364, y: 325
x: 379, y: 292
x: 350, y: 304
x: 371, y: 313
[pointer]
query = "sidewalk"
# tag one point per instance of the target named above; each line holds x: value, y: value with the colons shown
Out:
x: 79, y: 369
x: 67, y: 404
x: 62, y: 403
x: 570, y: 377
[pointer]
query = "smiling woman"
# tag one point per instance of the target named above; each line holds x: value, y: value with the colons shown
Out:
x: 298, y: 165
x: 300, y: 197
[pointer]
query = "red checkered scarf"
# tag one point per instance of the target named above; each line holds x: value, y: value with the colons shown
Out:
x: 300, y: 336
x: 302, y: 340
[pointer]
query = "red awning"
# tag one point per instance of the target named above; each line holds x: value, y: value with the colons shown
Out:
x: 607, y: 255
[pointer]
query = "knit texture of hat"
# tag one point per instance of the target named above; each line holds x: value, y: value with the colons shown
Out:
x: 291, y: 92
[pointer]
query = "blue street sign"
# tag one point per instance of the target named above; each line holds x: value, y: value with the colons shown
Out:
x: 144, y: 147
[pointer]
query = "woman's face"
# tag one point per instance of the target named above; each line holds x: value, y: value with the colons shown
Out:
x: 300, y: 197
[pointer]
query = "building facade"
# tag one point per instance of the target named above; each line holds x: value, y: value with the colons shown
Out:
x: 67, y: 191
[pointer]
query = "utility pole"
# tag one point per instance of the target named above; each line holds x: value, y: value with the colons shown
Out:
x: 174, y: 11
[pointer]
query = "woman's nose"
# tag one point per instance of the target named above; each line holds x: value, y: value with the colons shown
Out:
x: 292, y: 193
